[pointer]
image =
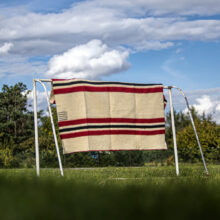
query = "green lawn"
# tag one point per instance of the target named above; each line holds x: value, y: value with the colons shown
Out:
x: 111, y: 193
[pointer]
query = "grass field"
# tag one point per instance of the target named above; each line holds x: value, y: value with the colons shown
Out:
x: 111, y: 193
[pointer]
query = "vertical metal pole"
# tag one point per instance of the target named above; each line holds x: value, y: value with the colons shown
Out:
x: 194, y: 128
x: 53, y: 129
x: 36, y: 130
x: 174, y: 131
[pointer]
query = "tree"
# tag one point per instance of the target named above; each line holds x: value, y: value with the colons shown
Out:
x: 48, y: 154
x: 181, y: 121
x: 14, y: 116
x: 16, y: 122
x: 209, y: 135
x: 17, y: 138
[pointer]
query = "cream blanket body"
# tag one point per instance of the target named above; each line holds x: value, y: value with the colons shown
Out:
x: 106, y: 116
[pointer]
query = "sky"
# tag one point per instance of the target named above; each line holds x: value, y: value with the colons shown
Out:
x: 144, y: 41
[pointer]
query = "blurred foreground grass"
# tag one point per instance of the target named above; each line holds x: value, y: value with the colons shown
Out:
x: 111, y: 193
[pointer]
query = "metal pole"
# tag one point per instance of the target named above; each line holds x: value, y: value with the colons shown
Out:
x: 53, y: 128
x: 194, y: 127
x: 36, y: 130
x: 43, y: 80
x: 174, y: 131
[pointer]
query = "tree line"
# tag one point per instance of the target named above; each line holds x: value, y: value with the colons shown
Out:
x: 17, y: 139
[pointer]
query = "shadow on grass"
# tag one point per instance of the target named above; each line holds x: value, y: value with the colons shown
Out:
x: 52, y: 197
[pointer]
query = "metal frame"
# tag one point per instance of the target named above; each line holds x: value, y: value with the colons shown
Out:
x: 42, y: 81
x: 36, y: 126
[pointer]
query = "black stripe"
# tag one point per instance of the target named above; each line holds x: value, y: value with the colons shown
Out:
x: 55, y: 84
x: 112, y: 126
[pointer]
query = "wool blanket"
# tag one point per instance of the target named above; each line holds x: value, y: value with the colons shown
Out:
x: 109, y: 116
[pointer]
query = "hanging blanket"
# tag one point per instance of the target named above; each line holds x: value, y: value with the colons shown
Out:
x: 109, y: 116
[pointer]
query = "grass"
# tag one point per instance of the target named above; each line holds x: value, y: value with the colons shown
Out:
x: 111, y: 193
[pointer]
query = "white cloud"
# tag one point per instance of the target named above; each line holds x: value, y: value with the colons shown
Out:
x: 113, y: 22
x: 90, y: 60
x: 137, y: 7
x: 153, y: 45
x: 5, y: 48
x: 138, y: 25
x: 164, y: 7
x: 41, y: 100
x: 20, y: 65
x: 207, y: 101
x: 205, y: 105
x: 208, y: 105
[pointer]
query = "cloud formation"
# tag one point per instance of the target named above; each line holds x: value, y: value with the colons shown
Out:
x: 208, y: 105
x: 205, y: 101
x: 218, y: 107
x: 205, y: 105
x: 90, y: 61
x: 161, y: 7
x: 41, y: 101
x: 15, y: 65
x: 141, y: 25
x: 5, y: 48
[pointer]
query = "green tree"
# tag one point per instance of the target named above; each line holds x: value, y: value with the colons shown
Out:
x: 209, y: 135
x: 181, y: 121
x: 14, y: 115
x: 16, y: 122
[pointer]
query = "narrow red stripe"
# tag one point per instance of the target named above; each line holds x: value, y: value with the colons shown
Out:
x: 107, y: 89
x: 110, y: 132
x: 110, y: 120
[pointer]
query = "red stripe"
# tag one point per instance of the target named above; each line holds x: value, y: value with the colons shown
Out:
x: 110, y: 132
x: 110, y: 120
x: 106, y: 89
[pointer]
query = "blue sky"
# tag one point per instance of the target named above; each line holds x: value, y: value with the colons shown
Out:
x: 193, y: 65
x: 171, y: 42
